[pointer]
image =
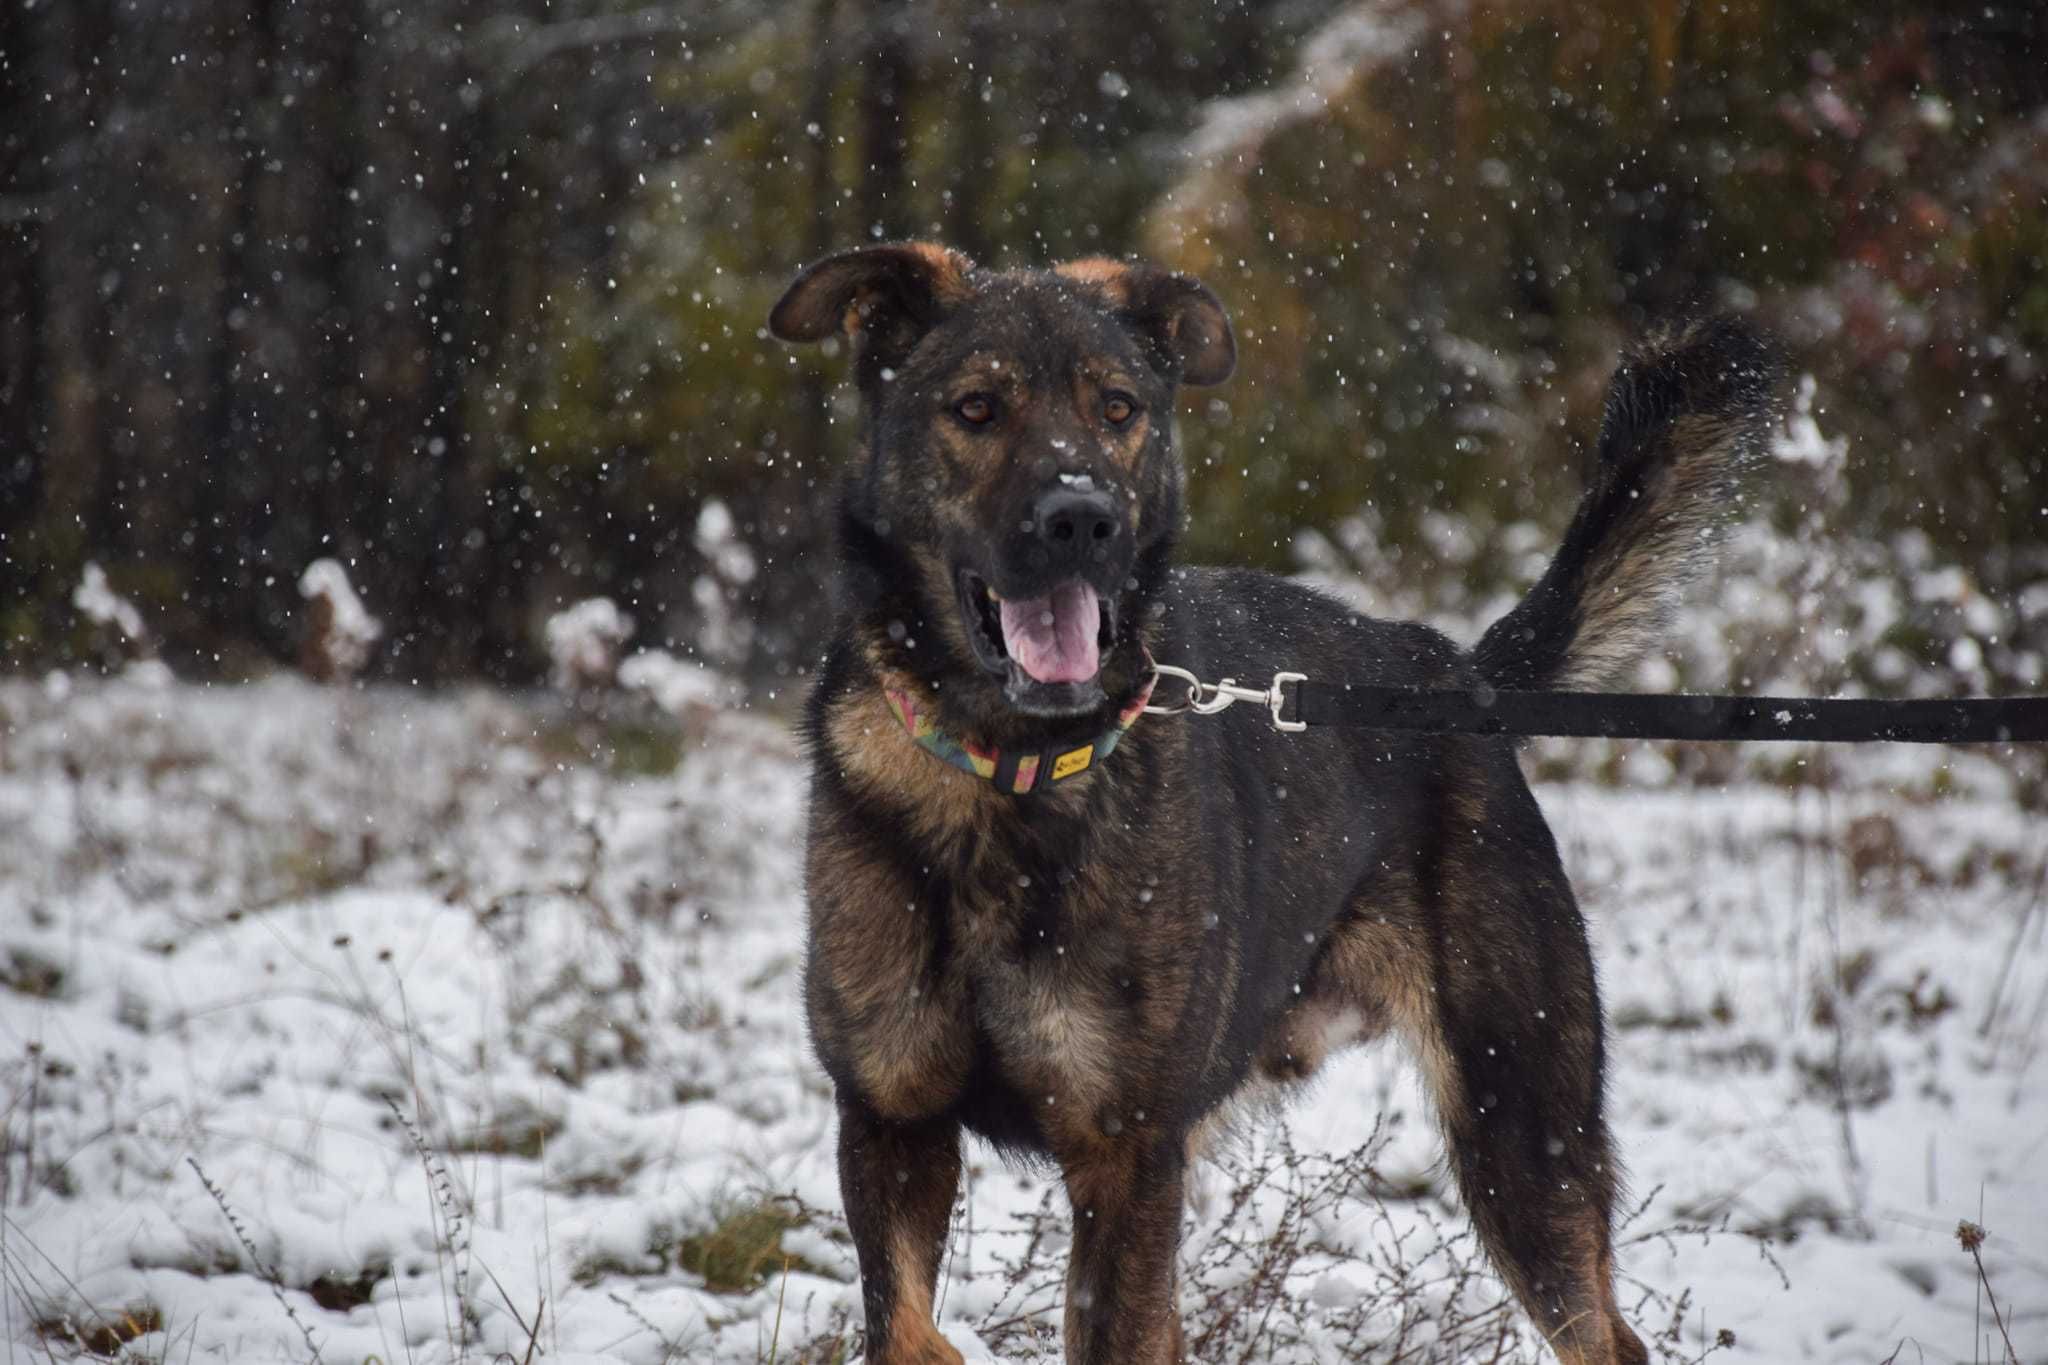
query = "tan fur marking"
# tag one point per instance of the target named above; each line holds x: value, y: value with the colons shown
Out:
x: 946, y: 270
x: 1094, y: 378
x: 1062, y: 1038
x: 945, y: 803
x: 913, y: 1339
x: 1110, y: 276
x: 876, y: 956
x: 982, y: 455
x: 949, y: 270
x: 1598, y: 1335
x: 1374, y: 969
x: 1631, y: 597
x: 1141, y: 1231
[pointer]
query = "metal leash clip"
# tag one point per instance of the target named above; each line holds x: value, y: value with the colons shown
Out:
x: 1206, y: 699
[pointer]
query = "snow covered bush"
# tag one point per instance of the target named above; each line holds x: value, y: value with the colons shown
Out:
x: 583, y: 644
x: 340, y: 631
x: 118, y: 621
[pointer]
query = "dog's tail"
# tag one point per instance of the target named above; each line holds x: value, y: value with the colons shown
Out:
x: 1688, y: 414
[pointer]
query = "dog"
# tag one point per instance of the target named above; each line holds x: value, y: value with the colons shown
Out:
x: 1040, y: 917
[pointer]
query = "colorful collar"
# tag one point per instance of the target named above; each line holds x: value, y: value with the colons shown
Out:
x: 1011, y: 771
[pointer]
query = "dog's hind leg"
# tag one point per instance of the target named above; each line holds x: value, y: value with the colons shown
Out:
x: 898, y: 1181
x: 1479, y: 961
x: 1527, y: 1141
x: 1511, y: 1042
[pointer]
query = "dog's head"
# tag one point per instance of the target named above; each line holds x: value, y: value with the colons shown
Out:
x: 1020, y: 489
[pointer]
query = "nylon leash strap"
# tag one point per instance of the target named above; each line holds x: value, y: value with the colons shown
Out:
x: 1297, y: 703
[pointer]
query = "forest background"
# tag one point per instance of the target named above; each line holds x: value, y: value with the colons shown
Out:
x: 471, y: 297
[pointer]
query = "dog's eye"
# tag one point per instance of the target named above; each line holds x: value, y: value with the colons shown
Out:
x: 1119, y: 408
x: 976, y: 409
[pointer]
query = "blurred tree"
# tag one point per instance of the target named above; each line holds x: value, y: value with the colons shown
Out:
x: 1444, y: 226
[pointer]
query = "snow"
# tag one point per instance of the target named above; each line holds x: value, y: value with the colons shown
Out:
x: 673, y: 684
x: 96, y: 599
x: 1801, y: 440
x: 257, y: 926
x: 718, y: 540
x: 346, y: 629
x: 583, y: 643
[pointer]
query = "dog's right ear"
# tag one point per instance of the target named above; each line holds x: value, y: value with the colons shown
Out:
x: 884, y: 297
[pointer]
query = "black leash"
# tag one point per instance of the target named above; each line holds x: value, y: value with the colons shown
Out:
x: 1631, y: 715
x: 1297, y: 703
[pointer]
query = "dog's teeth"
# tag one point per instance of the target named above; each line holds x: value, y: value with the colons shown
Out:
x: 993, y: 595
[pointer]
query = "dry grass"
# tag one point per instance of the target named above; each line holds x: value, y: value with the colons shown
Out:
x: 744, y: 1248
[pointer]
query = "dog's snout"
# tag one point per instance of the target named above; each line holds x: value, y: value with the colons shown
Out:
x: 1069, y: 520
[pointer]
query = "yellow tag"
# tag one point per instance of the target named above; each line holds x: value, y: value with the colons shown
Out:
x: 1072, y: 761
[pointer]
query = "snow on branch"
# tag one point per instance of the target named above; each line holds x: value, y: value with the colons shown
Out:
x: 97, y: 601
x: 583, y: 644
x: 340, y: 631
x: 675, y: 685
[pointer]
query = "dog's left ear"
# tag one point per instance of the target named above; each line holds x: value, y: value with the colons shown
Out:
x: 1180, y: 319
x: 885, y: 297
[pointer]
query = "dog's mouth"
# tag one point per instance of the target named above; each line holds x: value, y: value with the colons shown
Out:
x: 1047, y: 649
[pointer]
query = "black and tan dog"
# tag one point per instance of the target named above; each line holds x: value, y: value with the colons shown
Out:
x: 1080, y: 937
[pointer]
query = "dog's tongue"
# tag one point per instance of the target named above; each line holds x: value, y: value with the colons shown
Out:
x: 1052, y: 638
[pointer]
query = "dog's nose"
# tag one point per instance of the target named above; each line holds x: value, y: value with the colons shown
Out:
x: 1072, y: 522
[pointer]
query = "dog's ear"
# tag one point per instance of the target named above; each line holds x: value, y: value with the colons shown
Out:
x: 1181, y: 321
x: 886, y: 297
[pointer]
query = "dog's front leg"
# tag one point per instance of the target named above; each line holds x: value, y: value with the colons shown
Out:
x: 898, y: 1181
x: 1121, y: 1296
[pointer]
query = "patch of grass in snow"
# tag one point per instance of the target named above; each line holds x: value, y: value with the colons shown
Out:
x: 630, y: 746
x: 737, y: 1254
x: 29, y: 973
x: 107, y: 1334
x: 340, y: 1293
x: 1637, y: 1015
x: 744, y: 1248
x: 515, y: 1129
x: 316, y: 867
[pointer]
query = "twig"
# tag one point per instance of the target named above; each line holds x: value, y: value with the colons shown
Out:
x: 267, y: 1271
x: 442, y: 1204
x: 28, y: 1142
x: 1971, y: 1236
x: 539, y: 1312
x: 775, y: 1340
x: 670, y: 1347
x: 2012, y: 950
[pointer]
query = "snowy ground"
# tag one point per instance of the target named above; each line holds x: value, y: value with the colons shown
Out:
x: 477, y: 1013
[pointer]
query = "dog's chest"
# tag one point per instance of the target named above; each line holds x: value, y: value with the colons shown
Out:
x: 1067, y: 983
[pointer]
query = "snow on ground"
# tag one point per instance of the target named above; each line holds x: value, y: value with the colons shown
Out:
x: 482, y: 1010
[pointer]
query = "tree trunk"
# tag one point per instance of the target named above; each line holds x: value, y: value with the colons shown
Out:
x: 974, y: 163
x: 227, y: 511
x: 26, y: 202
x: 885, y: 95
